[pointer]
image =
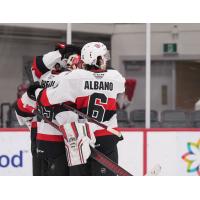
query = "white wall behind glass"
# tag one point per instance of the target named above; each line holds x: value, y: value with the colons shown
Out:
x: 128, y: 43
x: 11, y: 64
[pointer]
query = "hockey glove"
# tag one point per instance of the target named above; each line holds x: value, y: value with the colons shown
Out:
x: 67, y: 50
x: 31, y: 90
x: 72, y: 49
x: 62, y: 48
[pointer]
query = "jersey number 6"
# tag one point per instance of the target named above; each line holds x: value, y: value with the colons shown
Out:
x: 95, y: 109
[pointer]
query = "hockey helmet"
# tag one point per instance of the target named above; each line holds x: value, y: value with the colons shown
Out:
x: 95, y: 54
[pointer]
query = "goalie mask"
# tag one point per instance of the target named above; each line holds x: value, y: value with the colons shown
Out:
x: 95, y: 54
x: 74, y: 62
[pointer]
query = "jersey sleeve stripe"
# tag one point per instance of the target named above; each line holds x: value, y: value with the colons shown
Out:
x: 43, y: 99
x: 21, y: 111
x: 82, y: 102
x: 35, y: 69
x: 39, y: 67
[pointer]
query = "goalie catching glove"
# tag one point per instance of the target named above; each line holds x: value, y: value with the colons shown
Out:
x: 78, y: 138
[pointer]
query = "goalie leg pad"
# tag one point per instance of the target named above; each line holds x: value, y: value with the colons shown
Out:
x: 77, y: 137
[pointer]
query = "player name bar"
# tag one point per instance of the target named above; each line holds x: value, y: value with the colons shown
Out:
x: 98, y: 85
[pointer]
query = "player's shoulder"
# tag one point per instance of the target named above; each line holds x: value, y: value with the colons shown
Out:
x: 78, y: 73
x: 82, y: 74
x: 114, y: 74
x: 64, y: 73
x: 113, y: 71
x: 45, y: 75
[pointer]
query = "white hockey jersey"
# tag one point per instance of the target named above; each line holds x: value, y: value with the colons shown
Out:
x: 43, y: 64
x: 45, y: 131
x: 23, y: 111
x: 94, y: 93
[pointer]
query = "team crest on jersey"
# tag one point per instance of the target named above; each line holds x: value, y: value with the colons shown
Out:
x: 98, y: 75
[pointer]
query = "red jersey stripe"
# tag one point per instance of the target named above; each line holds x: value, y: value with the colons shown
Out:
x: 21, y: 107
x: 34, y: 125
x: 82, y: 102
x: 44, y: 99
x: 53, y: 138
x: 35, y: 68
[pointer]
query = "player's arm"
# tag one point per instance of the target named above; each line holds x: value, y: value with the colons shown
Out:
x: 125, y: 99
x: 120, y: 83
x: 42, y: 64
x: 61, y: 112
x: 23, y: 109
x: 65, y: 91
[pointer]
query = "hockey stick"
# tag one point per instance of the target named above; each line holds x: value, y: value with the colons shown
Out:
x: 99, y: 156
x: 95, y: 154
x: 91, y: 119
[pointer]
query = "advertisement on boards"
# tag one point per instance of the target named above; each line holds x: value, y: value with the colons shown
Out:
x: 15, y: 154
x: 178, y: 152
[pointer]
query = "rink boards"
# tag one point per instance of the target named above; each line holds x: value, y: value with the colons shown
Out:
x: 176, y: 150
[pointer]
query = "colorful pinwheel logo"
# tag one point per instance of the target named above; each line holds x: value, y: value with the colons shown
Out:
x: 192, y: 157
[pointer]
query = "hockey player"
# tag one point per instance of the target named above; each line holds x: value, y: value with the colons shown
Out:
x: 26, y: 117
x: 94, y: 91
x: 50, y: 142
x: 50, y: 145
